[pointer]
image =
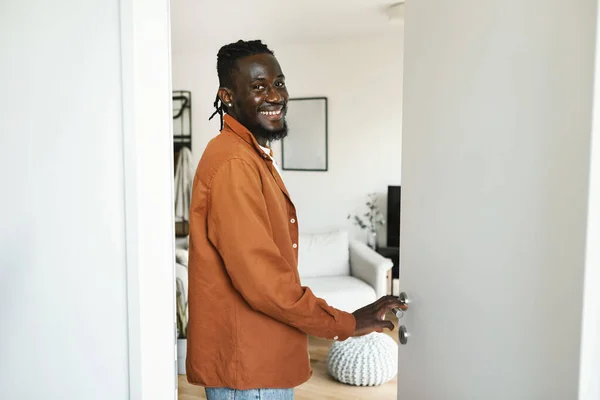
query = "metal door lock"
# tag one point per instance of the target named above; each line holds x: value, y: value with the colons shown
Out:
x: 404, y: 335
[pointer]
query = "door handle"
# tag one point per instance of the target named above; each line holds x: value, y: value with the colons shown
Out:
x: 403, y: 297
x: 404, y: 335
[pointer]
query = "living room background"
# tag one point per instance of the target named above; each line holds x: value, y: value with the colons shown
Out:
x: 362, y: 79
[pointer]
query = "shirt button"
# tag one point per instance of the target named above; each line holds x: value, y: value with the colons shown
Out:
x: 293, y: 221
x: 335, y: 338
x: 295, y: 245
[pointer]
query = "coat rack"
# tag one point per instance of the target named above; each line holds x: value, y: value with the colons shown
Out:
x: 182, y: 120
x: 182, y: 137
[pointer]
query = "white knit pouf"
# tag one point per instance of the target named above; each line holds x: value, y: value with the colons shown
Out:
x: 368, y: 360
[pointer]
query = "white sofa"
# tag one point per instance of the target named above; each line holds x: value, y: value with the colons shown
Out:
x: 347, y: 274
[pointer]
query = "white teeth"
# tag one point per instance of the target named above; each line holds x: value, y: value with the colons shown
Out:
x: 270, y: 112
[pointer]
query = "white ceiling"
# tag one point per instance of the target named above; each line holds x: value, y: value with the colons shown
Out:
x: 196, y: 23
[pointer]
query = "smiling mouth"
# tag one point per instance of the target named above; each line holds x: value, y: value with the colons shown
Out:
x: 273, y: 115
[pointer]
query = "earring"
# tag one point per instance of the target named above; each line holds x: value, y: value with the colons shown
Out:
x: 229, y: 104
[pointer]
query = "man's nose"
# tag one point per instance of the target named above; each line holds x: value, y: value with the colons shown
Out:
x: 273, y: 95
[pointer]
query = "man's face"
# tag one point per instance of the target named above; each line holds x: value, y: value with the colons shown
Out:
x: 260, y: 97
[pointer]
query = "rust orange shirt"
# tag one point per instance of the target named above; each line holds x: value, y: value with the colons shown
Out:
x: 249, y: 315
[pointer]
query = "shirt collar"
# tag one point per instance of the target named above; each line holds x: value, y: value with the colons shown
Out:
x: 233, y: 125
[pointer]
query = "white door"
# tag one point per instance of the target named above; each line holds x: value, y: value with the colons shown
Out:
x: 497, y: 121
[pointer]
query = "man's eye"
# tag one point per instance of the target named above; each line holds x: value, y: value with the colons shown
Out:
x: 259, y: 87
x: 280, y: 84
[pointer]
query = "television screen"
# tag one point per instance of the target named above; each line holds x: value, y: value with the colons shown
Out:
x: 393, y: 216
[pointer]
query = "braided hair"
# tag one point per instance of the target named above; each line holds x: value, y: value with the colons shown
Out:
x: 227, y: 65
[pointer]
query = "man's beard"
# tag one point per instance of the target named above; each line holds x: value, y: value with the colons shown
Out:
x: 269, y: 135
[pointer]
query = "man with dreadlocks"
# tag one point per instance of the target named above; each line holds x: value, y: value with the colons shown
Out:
x: 249, y: 315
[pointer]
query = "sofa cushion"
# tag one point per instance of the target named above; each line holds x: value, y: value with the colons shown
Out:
x: 345, y: 293
x: 323, y: 254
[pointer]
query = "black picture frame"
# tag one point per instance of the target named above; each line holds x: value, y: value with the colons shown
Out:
x: 309, y: 134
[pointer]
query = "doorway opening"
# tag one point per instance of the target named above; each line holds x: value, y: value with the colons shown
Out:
x: 351, y: 55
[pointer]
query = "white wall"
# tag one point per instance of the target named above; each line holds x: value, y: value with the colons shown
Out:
x: 86, y: 233
x: 63, y: 308
x: 362, y: 78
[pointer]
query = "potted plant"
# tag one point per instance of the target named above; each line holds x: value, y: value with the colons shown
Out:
x: 370, y: 220
x: 182, y: 322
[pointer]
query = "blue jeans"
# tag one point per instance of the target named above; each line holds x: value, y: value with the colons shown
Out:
x: 252, y: 394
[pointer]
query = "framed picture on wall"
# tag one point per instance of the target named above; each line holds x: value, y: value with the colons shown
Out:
x: 305, y: 147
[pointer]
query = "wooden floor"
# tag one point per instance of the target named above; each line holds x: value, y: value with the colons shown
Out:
x: 320, y: 386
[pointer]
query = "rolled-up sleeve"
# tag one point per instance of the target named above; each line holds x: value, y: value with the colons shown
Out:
x: 240, y: 229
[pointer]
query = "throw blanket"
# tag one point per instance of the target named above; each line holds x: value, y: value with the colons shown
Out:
x: 184, y: 177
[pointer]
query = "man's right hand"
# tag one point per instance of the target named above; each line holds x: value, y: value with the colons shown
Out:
x: 370, y: 318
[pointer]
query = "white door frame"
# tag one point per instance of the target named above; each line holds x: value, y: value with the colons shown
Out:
x: 589, y: 372
x: 148, y: 165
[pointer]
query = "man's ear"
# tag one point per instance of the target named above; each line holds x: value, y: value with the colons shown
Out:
x: 226, y: 96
